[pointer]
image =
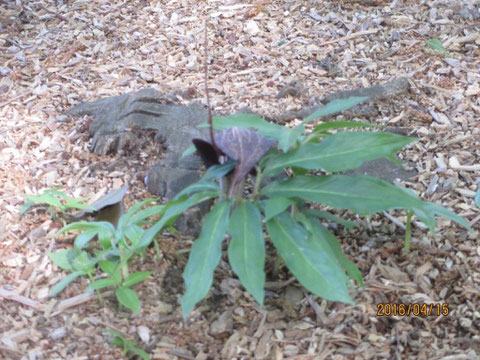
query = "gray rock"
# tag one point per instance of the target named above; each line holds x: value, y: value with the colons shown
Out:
x: 113, y: 130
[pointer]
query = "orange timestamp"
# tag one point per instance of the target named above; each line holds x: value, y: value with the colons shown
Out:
x: 414, y: 309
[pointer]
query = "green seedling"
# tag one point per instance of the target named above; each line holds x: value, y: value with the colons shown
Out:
x: 113, y: 248
x: 58, y: 203
x: 129, y: 347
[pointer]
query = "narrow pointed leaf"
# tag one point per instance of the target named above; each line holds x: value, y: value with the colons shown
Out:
x: 246, y: 251
x: 204, y: 256
x: 427, y: 210
x: 173, y: 209
x: 339, y: 152
x: 361, y: 194
x: 218, y: 171
x: 336, y: 106
x: 323, y: 235
x: 189, y: 151
x: 58, y: 288
x: 308, y: 260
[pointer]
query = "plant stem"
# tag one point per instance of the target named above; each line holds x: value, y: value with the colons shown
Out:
x: 99, y: 294
x: 124, y: 266
x: 258, y: 180
x: 408, y: 232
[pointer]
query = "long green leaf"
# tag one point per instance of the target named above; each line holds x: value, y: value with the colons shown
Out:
x: 88, y: 225
x: 141, y: 216
x: 339, y: 152
x: 336, y: 106
x: 204, y: 256
x: 246, y: 251
x: 427, y: 211
x: 173, y: 209
x: 308, y: 259
x: 361, y: 194
x: 64, y: 282
x: 201, y: 186
x: 322, y: 235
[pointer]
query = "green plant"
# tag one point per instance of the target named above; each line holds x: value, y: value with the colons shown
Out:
x: 116, y: 246
x: 244, y: 145
x: 128, y: 347
x: 58, y: 203
x: 436, y: 46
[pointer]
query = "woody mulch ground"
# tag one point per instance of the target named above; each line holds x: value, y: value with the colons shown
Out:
x: 55, y: 54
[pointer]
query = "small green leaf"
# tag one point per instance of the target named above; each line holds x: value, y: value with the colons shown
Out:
x: 135, y: 278
x: 64, y: 282
x: 140, y: 353
x: 189, y: 151
x: 276, y: 205
x: 477, y: 197
x: 308, y: 259
x: 82, y: 240
x: 26, y: 206
x: 128, y: 298
x: 336, y: 106
x: 246, y: 251
x: 204, y: 256
x: 218, y: 171
x: 61, y: 259
x: 436, y: 45
x: 103, y: 283
x: 108, y: 267
x: 46, y: 199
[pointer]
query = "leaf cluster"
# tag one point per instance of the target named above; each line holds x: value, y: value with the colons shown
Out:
x: 113, y: 248
x: 307, y: 248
